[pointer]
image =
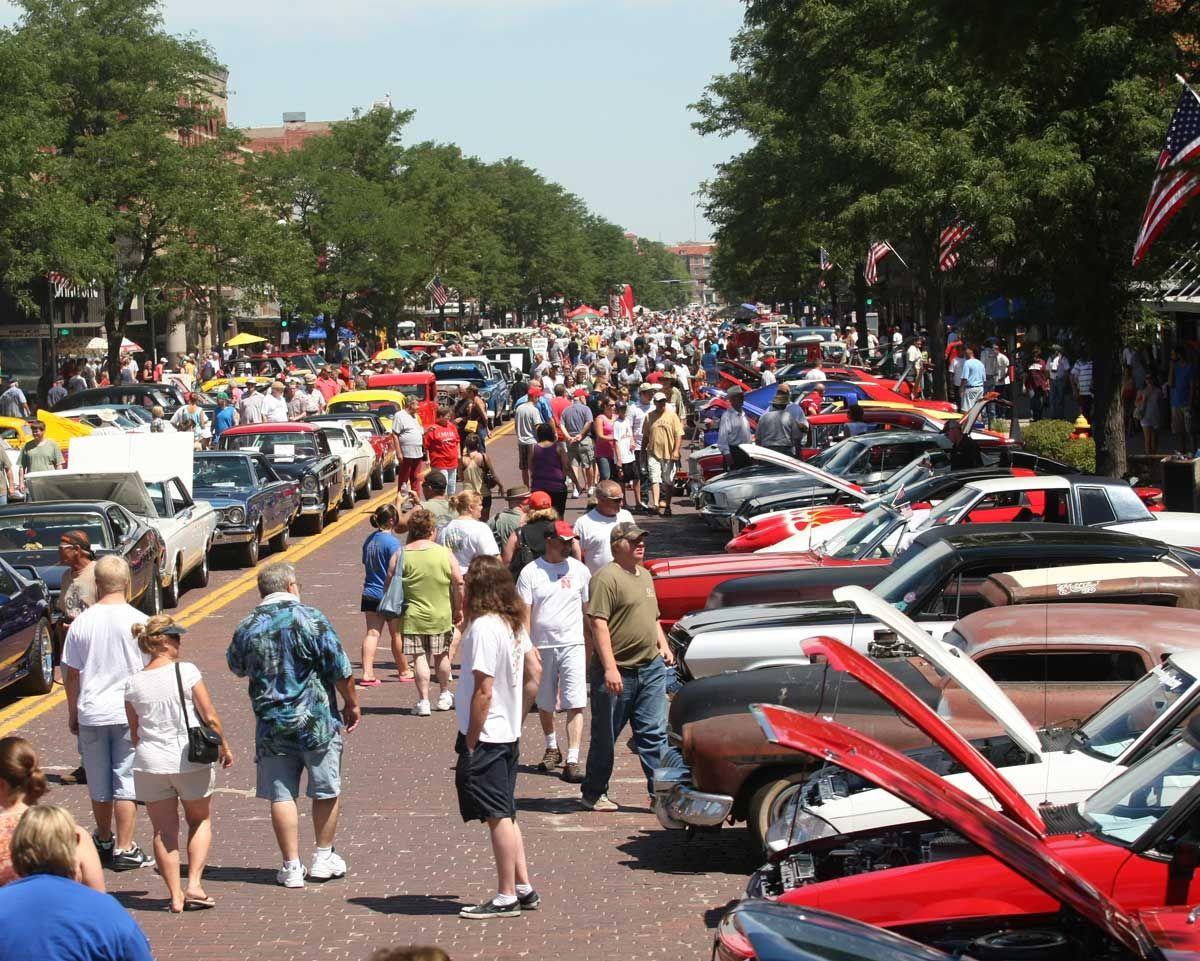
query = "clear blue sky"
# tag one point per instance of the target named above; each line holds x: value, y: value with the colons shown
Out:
x: 593, y: 93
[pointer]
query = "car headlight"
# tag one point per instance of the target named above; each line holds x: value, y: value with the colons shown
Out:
x: 235, y: 515
x: 309, y: 484
x: 796, y: 826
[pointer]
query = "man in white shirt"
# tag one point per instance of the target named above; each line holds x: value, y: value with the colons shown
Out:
x: 555, y: 589
x: 274, y: 407
x: 594, y: 527
x: 98, y: 657
x: 816, y: 372
x: 499, y: 664
x: 250, y: 407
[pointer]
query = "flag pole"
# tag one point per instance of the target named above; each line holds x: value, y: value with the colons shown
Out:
x: 898, y: 257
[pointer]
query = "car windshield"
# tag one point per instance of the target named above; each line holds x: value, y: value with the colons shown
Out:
x: 1128, y: 806
x: 855, y: 540
x: 284, y: 446
x: 947, y: 511
x: 305, y: 362
x: 459, y: 372
x: 230, y: 473
x: 384, y: 407
x: 41, y: 532
x: 929, y: 464
x: 336, y: 437
x: 1112, y: 730
x: 916, y: 577
x: 841, y: 458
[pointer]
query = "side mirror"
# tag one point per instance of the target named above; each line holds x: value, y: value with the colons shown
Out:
x: 1133, y: 481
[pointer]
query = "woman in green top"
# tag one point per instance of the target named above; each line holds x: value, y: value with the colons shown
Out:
x: 433, y: 584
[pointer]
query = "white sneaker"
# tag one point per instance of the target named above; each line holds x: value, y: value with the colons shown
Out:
x: 325, y: 867
x: 445, y: 701
x: 422, y: 709
x: 291, y: 877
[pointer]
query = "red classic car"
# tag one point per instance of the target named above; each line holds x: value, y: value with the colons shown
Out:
x: 419, y: 384
x: 1132, y: 838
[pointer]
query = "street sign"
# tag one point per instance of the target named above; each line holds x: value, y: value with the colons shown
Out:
x: 24, y: 333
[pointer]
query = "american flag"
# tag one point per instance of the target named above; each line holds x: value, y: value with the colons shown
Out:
x: 65, y: 287
x: 437, y: 291
x: 949, y: 242
x: 876, y: 253
x: 823, y: 256
x: 1175, y: 183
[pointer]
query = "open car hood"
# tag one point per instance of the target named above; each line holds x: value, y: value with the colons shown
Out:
x: 841, y: 657
x: 800, y: 467
x: 992, y: 832
x: 949, y: 660
x: 971, y: 415
x: 122, y: 487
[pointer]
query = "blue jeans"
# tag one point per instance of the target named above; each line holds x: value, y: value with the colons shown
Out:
x: 642, y: 704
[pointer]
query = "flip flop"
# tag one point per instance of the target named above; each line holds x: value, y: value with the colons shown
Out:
x: 403, y: 679
x: 373, y: 682
x: 198, y: 904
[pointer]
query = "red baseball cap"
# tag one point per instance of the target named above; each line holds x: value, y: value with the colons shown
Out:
x: 535, y: 390
x: 539, y: 501
x: 564, y: 530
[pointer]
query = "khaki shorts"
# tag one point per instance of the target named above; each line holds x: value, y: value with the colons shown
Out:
x: 582, y: 453
x: 188, y: 786
x: 661, y: 471
x: 431, y: 645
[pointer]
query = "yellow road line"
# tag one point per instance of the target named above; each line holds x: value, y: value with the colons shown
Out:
x: 26, y: 709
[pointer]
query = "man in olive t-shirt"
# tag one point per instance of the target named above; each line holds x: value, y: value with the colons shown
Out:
x: 630, y: 664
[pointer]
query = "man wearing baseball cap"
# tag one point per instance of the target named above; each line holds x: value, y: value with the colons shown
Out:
x: 663, y: 437
x: 734, y: 430
x: 555, y: 587
x: 629, y: 668
x: 526, y: 418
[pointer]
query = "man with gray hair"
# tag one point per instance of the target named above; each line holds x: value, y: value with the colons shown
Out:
x: 295, y: 661
x: 99, y: 656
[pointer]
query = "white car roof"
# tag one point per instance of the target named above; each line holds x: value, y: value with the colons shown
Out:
x: 1188, y: 660
x: 999, y: 485
x: 1036, y: 577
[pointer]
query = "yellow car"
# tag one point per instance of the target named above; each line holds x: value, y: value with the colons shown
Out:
x: 380, y: 401
x: 15, y: 432
x: 218, y: 384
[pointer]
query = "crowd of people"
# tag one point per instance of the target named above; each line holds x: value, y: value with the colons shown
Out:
x: 536, y: 612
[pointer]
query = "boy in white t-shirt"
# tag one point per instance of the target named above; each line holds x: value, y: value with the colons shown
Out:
x: 555, y: 589
x: 498, y: 665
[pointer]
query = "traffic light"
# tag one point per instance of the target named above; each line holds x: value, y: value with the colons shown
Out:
x: 283, y: 323
x: 64, y: 332
x: 870, y: 301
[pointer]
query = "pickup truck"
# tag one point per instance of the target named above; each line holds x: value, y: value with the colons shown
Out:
x: 452, y: 373
x: 187, y: 527
x: 1050, y: 660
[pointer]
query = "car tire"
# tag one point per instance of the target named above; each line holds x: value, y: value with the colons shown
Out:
x: 170, y: 594
x: 377, y: 480
x: 389, y: 475
x: 39, y: 663
x: 199, y: 575
x: 279, y: 543
x: 151, y: 602
x: 316, y: 522
x: 348, y: 495
x: 766, y: 802
x: 248, y: 552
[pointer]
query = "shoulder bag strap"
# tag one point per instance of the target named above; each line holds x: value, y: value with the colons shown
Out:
x: 182, y: 701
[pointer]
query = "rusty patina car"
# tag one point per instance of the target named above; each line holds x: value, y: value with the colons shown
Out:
x: 1057, y: 662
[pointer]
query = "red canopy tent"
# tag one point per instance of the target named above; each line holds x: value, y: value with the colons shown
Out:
x: 580, y: 311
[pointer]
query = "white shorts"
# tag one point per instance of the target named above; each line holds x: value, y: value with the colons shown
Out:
x: 188, y: 786
x: 564, y: 679
x: 661, y: 471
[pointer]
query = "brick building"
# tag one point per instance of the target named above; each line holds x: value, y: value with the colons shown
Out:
x: 698, y: 258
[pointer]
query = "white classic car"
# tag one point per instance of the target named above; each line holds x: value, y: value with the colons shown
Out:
x: 1051, y: 767
x: 186, y: 526
x: 357, y: 455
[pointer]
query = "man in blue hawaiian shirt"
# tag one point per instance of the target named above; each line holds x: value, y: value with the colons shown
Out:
x: 295, y: 662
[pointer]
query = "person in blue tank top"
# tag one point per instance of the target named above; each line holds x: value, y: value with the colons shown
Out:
x: 377, y: 552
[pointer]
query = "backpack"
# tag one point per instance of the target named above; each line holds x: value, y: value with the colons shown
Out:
x: 525, y: 553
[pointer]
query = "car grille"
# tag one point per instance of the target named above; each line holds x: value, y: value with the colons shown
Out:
x: 679, y: 639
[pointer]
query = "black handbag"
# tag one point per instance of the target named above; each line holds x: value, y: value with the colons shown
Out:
x: 204, y: 744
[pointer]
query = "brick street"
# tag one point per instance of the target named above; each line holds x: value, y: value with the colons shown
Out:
x: 612, y: 885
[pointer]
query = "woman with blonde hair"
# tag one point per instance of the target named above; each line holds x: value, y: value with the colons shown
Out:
x: 46, y: 913
x: 22, y: 784
x: 162, y: 701
x: 477, y: 472
x: 467, y: 535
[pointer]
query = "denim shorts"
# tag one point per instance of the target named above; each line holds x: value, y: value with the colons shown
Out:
x: 279, y: 776
x: 107, y: 753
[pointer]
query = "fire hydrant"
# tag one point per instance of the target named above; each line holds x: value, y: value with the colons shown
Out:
x: 1082, y: 428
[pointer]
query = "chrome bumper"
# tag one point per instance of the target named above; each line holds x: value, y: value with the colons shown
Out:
x: 232, y: 535
x: 678, y: 805
x: 716, y: 517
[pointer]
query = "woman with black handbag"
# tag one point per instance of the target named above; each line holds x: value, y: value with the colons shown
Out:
x: 177, y: 737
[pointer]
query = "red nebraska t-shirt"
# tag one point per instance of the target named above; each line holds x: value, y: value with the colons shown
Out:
x: 441, y: 443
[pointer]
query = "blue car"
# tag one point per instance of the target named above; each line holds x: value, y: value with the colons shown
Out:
x: 253, y: 503
x: 453, y: 372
